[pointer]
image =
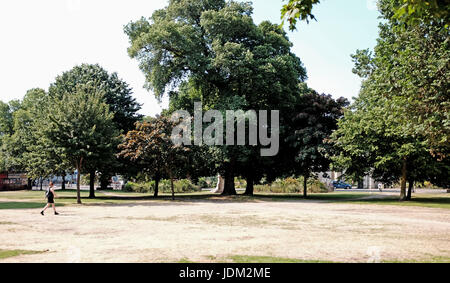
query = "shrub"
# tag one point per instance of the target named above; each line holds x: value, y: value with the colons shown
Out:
x: 291, y: 186
x: 240, y: 183
x: 180, y: 186
x: 139, y: 187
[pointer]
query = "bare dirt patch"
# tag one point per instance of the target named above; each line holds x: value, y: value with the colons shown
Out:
x: 202, y: 231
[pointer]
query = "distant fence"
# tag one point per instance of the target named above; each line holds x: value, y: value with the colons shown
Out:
x: 13, y: 182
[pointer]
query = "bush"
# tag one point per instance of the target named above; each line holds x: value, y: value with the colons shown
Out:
x: 180, y: 186
x: 240, y: 183
x: 291, y: 186
x: 139, y: 187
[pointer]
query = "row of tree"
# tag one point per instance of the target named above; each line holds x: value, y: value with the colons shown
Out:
x: 76, y: 125
x: 211, y: 51
x: 399, y: 126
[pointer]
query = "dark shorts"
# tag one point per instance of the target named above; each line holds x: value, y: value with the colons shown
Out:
x: 50, y: 200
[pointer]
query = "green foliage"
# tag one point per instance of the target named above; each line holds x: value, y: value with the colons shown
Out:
x: 17, y: 146
x: 118, y: 96
x: 117, y: 93
x: 291, y: 186
x: 212, y: 51
x: 417, y: 11
x: 151, y: 147
x: 402, y: 112
x: 6, y: 119
x: 180, y: 186
x: 298, y: 10
x: 409, y: 12
x: 79, y: 125
x: 314, y: 120
x: 13, y: 253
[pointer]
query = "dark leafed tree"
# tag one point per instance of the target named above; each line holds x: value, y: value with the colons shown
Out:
x: 315, y: 119
x: 151, y: 147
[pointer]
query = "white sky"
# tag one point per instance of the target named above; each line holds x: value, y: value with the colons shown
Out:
x: 40, y: 39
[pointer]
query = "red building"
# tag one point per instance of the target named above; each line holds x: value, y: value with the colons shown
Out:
x: 13, y: 182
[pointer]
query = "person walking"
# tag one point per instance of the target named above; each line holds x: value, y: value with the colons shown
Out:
x: 50, y: 195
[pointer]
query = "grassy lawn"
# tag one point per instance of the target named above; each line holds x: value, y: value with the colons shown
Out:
x: 433, y: 201
x: 12, y: 253
x: 35, y: 199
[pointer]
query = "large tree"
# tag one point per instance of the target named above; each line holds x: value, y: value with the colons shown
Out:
x: 118, y: 97
x: 79, y: 127
x: 214, y: 49
x: 411, y: 67
x: 314, y: 120
x: 372, y: 140
x: 402, y: 113
x: 20, y: 151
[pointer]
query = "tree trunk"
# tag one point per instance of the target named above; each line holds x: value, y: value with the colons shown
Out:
x: 229, y: 188
x: 63, y: 185
x: 79, y: 164
x: 249, y: 190
x: 157, y: 179
x: 30, y: 184
x: 92, y: 184
x: 403, y: 181
x: 305, y: 185
x: 41, y: 181
x: 104, y: 182
x: 410, y: 188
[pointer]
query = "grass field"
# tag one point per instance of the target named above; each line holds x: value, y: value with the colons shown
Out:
x: 13, y: 253
x: 35, y: 199
x: 201, y: 227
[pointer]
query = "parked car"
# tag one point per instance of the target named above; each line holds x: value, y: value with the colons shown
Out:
x: 341, y: 185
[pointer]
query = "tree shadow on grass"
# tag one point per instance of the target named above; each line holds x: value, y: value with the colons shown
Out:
x: 186, y: 199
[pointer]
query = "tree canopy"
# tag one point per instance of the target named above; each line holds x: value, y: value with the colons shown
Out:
x: 79, y: 127
x: 315, y: 119
x: 399, y: 125
x: 118, y: 97
x: 212, y: 51
x: 150, y: 145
